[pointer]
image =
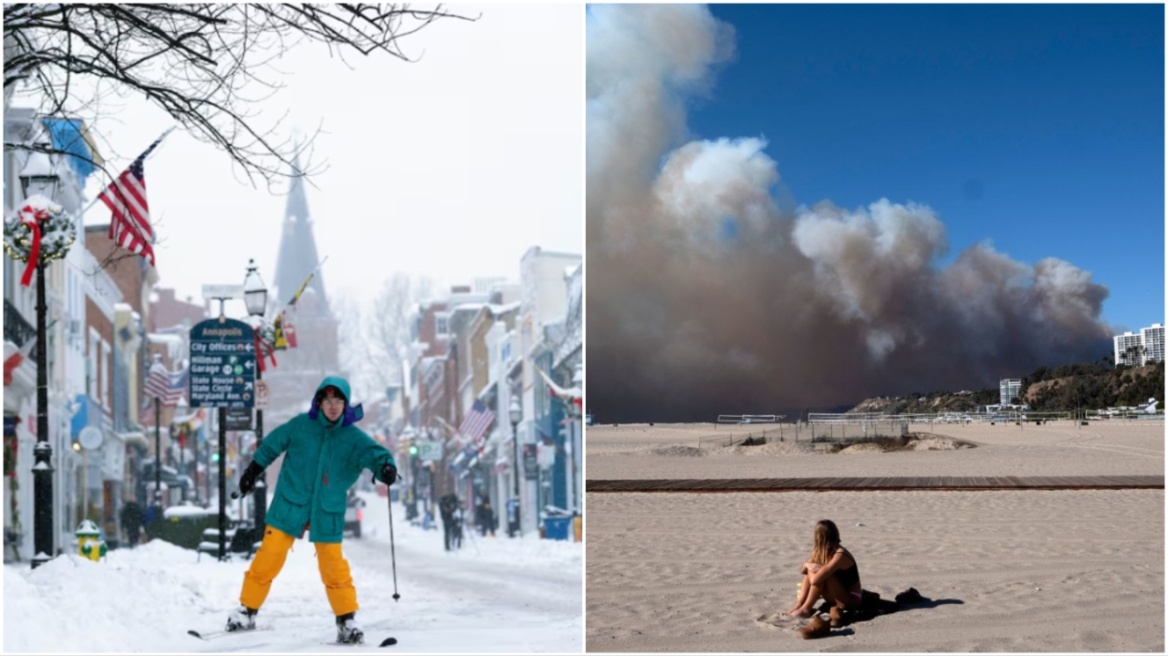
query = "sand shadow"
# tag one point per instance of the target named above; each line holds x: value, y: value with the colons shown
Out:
x: 876, y: 607
x: 839, y: 633
x: 929, y: 603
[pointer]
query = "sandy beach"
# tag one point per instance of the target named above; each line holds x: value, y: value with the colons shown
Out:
x: 1007, y: 571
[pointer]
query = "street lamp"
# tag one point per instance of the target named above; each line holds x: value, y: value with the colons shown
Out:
x: 39, y: 177
x: 255, y: 297
x: 255, y: 294
x: 516, y: 413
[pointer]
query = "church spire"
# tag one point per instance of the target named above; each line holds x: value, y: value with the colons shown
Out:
x: 297, y: 256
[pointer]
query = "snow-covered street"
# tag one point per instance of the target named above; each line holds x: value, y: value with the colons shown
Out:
x: 494, y: 595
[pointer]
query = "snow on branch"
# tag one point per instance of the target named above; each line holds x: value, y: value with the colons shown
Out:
x: 206, y: 65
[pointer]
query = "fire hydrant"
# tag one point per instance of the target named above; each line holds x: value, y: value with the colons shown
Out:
x: 89, y: 542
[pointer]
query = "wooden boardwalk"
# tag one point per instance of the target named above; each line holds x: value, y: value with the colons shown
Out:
x: 886, y: 483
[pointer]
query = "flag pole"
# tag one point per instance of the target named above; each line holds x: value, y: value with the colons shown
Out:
x: 304, y: 284
x: 454, y: 432
x: 94, y: 201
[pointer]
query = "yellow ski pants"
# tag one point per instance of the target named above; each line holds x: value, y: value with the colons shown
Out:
x: 269, y: 560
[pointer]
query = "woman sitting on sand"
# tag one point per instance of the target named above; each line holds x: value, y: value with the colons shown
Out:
x: 831, y: 573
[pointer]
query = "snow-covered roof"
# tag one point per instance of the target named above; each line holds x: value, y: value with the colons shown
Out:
x: 505, y: 308
x: 468, y: 307
x: 162, y: 338
x: 174, y: 343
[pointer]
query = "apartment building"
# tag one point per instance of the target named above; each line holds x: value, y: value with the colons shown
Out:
x: 1009, y: 389
x: 1138, y: 349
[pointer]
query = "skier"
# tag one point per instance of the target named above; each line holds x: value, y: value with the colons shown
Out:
x: 324, y: 455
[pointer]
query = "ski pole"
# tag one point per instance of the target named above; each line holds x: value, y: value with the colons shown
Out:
x: 473, y: 541
x: 392, y: 555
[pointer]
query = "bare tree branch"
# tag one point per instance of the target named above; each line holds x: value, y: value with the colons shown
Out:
x: 197, y: 62
x: 376, y: 343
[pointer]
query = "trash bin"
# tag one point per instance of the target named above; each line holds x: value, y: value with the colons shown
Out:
x: 556, y: 528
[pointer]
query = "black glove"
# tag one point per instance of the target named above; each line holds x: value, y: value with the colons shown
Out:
x: 388, y: 473
x: 247, y: 481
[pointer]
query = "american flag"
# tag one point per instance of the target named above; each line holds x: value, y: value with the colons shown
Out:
x: 13, y: 361
x: 164, y: 385
x: 476, y: 423
x: 126, y: 198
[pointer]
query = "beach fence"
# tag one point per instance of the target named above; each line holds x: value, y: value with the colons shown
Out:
x: 763, y: 435
x: 847, y: 427
x: 752, y: 438
x: 885, y: 425
x: 1040, y: 418
x: 856, y: 426
x: 1022, y: 417
x: 750, y: 419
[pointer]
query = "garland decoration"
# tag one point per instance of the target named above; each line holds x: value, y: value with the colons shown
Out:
x: 41, y: 231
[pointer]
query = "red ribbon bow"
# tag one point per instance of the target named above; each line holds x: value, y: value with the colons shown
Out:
x: 32, y: 217
x: 260, y: 346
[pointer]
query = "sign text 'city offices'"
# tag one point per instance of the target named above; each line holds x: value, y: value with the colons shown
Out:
x: 222, y: 364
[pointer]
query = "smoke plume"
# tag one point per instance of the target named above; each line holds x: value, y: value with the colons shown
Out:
x: 705, y: 297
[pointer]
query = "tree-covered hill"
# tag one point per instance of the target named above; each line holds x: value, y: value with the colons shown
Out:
x: 1093, y: 386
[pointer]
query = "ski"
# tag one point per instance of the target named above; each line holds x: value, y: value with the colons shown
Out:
x: 212, y: 635
x: 384, y: 643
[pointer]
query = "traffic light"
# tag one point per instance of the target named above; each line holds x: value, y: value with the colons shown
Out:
x: 214, y: 456
x: 413, y: 449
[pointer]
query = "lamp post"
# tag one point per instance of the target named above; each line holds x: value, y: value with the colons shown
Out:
x: 38, y: 177
x: 576, y: 443
x: 157, y: 502
x: 516, y: 413
x: 180, y: 433
x: 255, y: 297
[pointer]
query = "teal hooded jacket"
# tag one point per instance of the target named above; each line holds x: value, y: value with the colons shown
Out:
x: 322, y: 460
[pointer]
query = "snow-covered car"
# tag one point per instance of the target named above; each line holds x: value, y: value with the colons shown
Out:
x: 354, y: 513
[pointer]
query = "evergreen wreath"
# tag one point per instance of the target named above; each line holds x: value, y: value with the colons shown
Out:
x: 41, y: 229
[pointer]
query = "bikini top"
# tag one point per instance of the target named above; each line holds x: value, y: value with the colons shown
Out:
x: 850, y: 576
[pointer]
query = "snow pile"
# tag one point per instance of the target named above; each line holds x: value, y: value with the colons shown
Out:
x: 494, y: 595
x: 129, y: 602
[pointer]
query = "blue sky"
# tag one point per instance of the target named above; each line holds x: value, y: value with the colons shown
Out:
x: 1037, y: 128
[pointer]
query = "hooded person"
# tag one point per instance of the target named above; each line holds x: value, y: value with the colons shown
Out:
x: 324, y: 454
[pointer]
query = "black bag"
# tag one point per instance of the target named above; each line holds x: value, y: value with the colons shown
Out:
x: 871, y: 605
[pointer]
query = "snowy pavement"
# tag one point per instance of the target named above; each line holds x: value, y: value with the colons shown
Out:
x: 494, y: 595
